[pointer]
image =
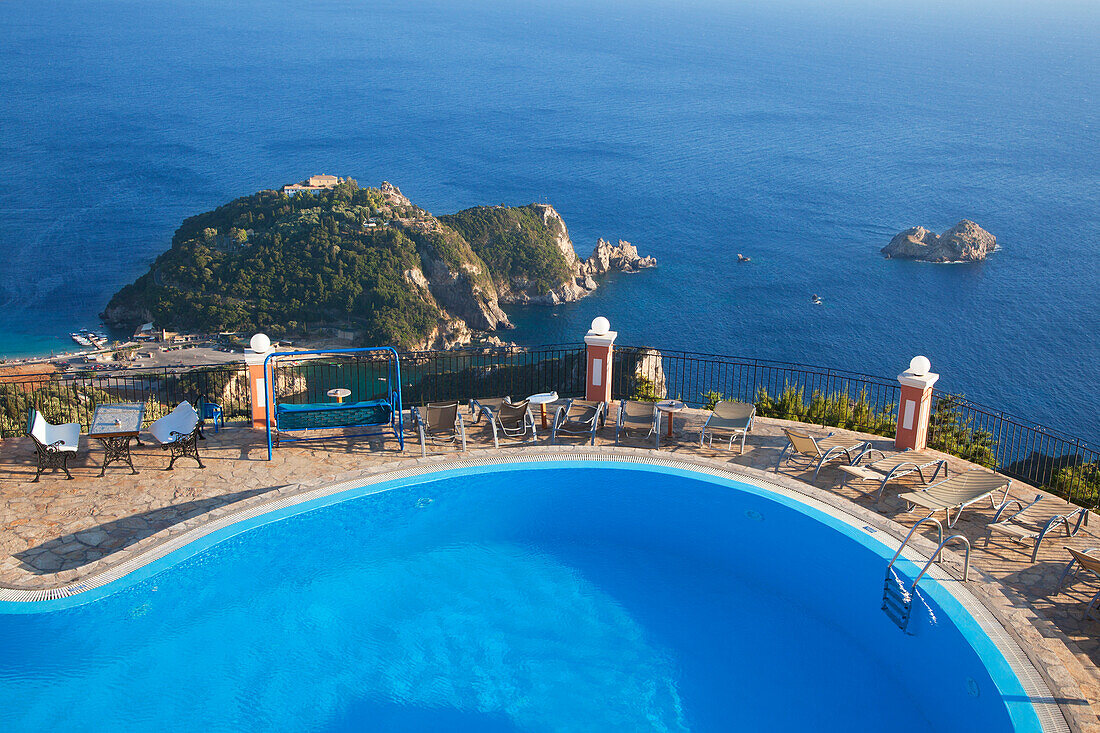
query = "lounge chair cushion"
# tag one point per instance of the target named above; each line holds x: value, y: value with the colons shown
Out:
x: 332, y: 415
x: 729, y: 415
x: 580, y: 417
x: 512, y: 416
x: 178, y: 423
x: 64, y: 438
x: 437, y: 417
x: 958, y: 490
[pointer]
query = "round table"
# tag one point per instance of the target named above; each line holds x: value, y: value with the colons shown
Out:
x: 669, y: 407
x: 339, y: 393
x: 541, y: 399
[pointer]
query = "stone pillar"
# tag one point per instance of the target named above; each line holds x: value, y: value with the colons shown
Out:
x: 599, y: 341
x: 915, y: 405
x: 258, y: 387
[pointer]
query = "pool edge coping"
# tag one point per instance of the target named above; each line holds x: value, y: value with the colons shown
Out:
x: 993, y: 607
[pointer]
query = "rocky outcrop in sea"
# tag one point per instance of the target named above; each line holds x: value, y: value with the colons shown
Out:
x: 964, y: 242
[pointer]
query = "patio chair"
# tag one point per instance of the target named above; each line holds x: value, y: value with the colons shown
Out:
x: 1091, y: 564
x: 640, y: 417
x: 577, y: 417
x: 487, y: 407
x: 178, y: 432
x: 816, y: 452
x: 513, y: 421
x: 439, y: 422
x: 891, y: 466
x: 729, y: 417
x: 53, y: 444
x: 960, y: 491
x: 210, y: 411
x: 1008, y: 526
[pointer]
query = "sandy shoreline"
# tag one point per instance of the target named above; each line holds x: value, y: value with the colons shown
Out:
x: 154, y: 357
x: 151, y: 356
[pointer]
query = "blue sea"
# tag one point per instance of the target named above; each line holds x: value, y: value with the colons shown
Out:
x: 802, y: 133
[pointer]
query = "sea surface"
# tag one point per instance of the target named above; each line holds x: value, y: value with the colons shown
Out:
x: 802, y: 134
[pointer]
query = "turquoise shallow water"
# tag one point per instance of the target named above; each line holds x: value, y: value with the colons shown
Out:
x: 535, y: 599
x: 804, y: 134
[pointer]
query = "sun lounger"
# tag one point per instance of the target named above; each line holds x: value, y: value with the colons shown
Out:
x: 1091, y: 564
x: 960, y: 491
x: 53, y: 444
x: 439, y: 422
x: 730, y: 418
x: 816, y: 452
x: 513, y: 421
x: 638, y: 417
x: 487, y: 406
x: 577, y: 417
x: 1009, y: 527
x: 178, y: 432
x: 895, y: 465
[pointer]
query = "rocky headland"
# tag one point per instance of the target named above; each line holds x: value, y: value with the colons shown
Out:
x: 366, y: 263
x: 964, y: 242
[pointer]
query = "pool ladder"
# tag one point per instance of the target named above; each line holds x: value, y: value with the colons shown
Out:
x: 897, y: 600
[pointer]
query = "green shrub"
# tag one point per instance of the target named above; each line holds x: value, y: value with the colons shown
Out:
x: 644, y: 390
x: 833, y: 410
x: 950, y: 433
x: 1080, y: 482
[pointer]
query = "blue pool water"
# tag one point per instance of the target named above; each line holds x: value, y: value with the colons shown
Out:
x: 567, y: 597
x: 803, y: 133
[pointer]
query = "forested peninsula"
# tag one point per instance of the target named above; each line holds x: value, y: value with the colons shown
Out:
x: 363, y: 262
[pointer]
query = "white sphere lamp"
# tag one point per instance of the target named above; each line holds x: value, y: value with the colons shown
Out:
x: 600, y: 326
x: 919, y: 366
x: 260, y: 343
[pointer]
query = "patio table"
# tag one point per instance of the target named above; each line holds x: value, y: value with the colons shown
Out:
x: 541, y: 399
x: 669, y: 407
x: 115, y: 426
x: 339, y: 393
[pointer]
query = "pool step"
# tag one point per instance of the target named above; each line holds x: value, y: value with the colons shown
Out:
x: 896, y: 601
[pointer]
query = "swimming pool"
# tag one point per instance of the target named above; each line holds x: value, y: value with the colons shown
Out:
x: 550, y: 596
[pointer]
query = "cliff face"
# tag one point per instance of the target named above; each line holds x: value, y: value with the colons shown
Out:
x: 456, y: 277
x: 964, y: 242
x: 367, y: 260
x: 532, y: 257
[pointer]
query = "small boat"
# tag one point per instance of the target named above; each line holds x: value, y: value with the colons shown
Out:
x: 743, y: 258
x: 816, y: 299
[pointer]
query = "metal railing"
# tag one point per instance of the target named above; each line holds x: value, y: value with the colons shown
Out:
x: 437, y: 376
x: 66, y: 397
x: 811, y: 394
x: 1021, y: 449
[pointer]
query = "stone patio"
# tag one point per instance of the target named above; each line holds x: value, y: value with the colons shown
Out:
x: 56, y: 531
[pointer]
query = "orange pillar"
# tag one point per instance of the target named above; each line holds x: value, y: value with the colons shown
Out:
x: 259, y: 389
x: 599, y: 342
x: 915, y: 405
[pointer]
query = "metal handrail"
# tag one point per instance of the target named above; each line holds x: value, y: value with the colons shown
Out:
x: 914, y: 529
x: 966, y: 562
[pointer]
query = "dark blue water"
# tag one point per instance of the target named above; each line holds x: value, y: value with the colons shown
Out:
x: 801, y: 134
x: 547, y: 599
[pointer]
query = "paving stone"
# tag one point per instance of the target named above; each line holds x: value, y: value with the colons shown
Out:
x: 92, y: 538
x: 47, y: 561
